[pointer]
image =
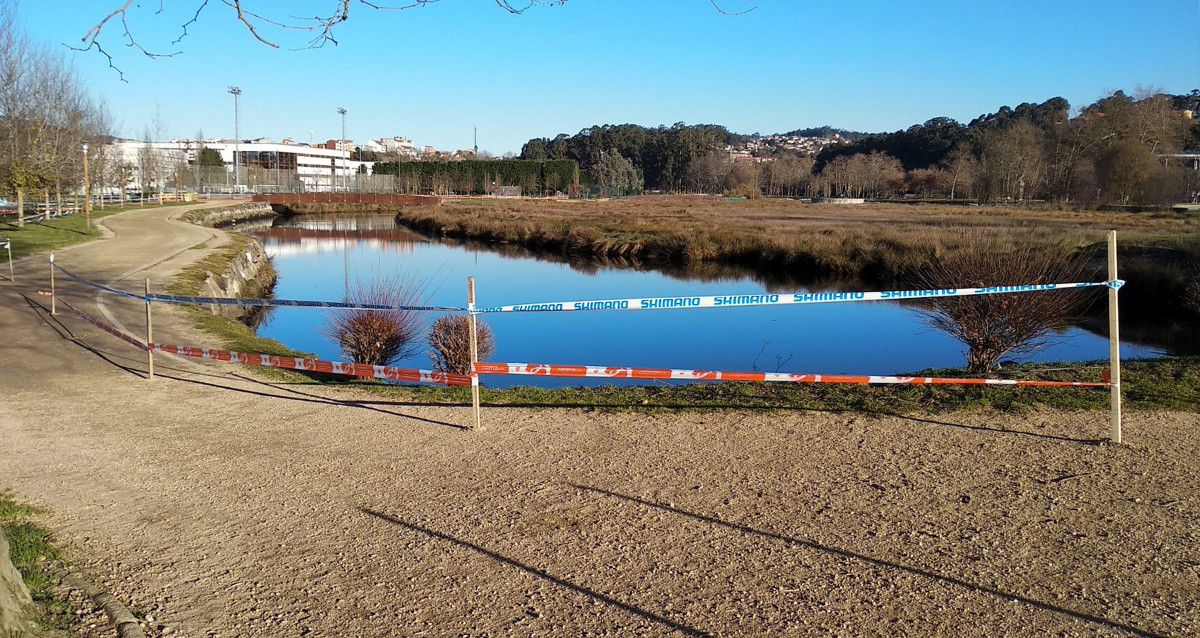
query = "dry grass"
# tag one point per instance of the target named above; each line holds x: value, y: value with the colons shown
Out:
x: 876, y: 243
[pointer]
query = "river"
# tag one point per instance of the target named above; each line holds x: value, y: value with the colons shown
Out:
x: 323, y: 257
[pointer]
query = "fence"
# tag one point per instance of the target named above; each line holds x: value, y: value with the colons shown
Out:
x: 42, y: 211
x: 477, y: 368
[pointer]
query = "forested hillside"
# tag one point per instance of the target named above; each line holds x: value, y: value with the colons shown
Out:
x: 1113, y: 151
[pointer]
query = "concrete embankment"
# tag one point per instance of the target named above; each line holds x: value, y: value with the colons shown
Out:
x: 241, y: 270
x: 229, y: 215
x: 247, y: 273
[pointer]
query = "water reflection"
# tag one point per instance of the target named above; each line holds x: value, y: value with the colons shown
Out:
x: 321, y: 257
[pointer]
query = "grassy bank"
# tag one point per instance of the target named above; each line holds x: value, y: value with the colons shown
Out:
x: 38, y: 236
x: 1160, y: 384
x: 787, y: 242
x: 233, y: 334
x: 33, y: 552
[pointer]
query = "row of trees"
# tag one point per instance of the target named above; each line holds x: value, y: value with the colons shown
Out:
x: 45, y: 119
x: 472, y: 177
x: 1110, y: 152
x: 663, y: 155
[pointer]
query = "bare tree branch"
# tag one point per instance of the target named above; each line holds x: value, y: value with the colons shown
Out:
x: 194, y: 19
x: 241, y: 16
x: 722, y: 10
x: 321, y: 26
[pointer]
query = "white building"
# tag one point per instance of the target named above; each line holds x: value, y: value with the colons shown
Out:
x: 261, y: 166
x: 398, y: 145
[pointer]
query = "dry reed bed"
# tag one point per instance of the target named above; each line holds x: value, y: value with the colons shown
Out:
x: 877, y: 243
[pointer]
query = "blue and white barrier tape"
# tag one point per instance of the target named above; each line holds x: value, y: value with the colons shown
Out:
x: 89, y: 282
x: 219, y: 301
x: 773, y: 299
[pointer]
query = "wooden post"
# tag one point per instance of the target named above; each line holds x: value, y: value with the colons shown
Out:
x: 1114, y: 339
x: 53, y: 306
x: 8, y: 246
x: 474, y: 336
x: 149, y: 333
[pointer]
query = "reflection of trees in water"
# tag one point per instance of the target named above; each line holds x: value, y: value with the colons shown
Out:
x: 329, y: 233
x: 1175, y: 336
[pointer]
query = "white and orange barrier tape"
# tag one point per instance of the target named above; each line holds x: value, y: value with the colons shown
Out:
x: 548, y: 370
x: 387, y: 373
x: 103, y: 325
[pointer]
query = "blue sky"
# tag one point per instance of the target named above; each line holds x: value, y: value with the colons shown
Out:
x: 434, y: 72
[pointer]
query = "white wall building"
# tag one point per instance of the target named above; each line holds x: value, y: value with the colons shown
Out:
x: 262, y: 167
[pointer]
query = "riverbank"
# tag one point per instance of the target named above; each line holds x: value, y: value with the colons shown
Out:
x: 788, y: 242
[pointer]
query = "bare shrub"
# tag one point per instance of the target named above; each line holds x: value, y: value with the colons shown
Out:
x: 450, y: 343
x: 379, y: 337
x: 993, y: 326
x: 749, y: 191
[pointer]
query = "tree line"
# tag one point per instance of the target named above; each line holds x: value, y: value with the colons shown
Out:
x: 482, y: 177
x: 1108, y: 152
x: 45, y: 119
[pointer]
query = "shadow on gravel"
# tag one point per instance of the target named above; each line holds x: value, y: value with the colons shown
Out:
x: 305, y: 398
x: 286, y: 394
x: 534, y: 571
x: 734, y: 407
x: 984, y: 428
x: 863, y: 558
x: 63, y: 331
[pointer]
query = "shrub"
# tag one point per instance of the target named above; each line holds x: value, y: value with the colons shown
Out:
x: 748, y: 191
x: 450, y: 343
x: 993, y: 326
x: 378, y: 337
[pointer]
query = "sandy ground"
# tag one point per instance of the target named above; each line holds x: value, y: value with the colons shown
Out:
x: 225, y: 505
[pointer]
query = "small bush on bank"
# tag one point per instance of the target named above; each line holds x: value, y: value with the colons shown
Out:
x: 993, y: 326
x: 748, y: 191
x: 378, y: 337
x: 450, y: 343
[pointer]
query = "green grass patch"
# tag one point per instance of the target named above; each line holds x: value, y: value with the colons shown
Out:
x: 231, y: 333
x: 39, y: 236
x: 1156, y: 384
x: 33, y: 551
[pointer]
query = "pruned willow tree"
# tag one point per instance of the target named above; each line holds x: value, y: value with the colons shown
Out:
x: 46, y: 116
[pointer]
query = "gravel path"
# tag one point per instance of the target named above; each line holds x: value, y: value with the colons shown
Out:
x: 227, y: 505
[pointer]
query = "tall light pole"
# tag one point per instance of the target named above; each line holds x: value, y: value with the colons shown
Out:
x: 342, y: 111
x: 87, y: 190
x: 237, y: 136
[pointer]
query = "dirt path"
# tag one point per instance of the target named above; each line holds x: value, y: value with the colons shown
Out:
x: 224, y: 505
